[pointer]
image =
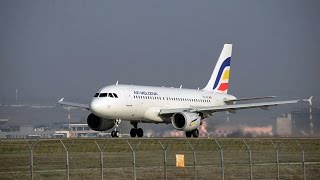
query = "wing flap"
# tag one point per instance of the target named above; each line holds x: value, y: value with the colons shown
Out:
x: 248, y: 99
x: 232, y: 108
x: 172, y: 111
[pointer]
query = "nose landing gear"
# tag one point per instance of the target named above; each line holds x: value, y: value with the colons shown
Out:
x: 116, y: 133
x: 135, y: 131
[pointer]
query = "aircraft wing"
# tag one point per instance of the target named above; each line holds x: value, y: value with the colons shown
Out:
x: 231, y: 108
x: 64, y: 103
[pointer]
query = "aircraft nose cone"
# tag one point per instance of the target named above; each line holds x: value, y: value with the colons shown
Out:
x: 96, y: 107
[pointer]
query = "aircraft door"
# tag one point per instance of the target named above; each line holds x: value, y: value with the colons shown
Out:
x: 129, y: 96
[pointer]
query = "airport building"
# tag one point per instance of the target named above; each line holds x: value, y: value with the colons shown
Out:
x: 306, y: 121
x: 3, y: 121
x: 67, y: 131
x: 300, y: 122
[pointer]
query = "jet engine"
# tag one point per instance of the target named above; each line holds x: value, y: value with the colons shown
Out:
x: 99, y: 124
x: 186, y: 121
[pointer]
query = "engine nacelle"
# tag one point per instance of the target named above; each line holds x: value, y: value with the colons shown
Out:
x: 186, y: 121
x: 99, y: 124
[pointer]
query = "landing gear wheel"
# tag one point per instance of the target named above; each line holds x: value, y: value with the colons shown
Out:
x: 139, y: 132
x: 195, y: 133
x: 188, y: 133
x: 133, y: 132
x: 114, y: 133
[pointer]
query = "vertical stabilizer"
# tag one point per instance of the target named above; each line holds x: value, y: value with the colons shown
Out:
x: 219, y: 80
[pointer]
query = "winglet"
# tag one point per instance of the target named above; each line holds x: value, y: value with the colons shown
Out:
x: 309, y: 100
x: 61, y: 100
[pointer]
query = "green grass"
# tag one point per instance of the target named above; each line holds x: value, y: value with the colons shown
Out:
x: 84, y: 158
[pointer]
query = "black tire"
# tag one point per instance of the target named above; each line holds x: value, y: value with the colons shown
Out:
x: 133, y: 132
x: 195, y: 133
x: 139, y: 132
x: 112, y: 133
x: 188, y: 133
x: 116, y: 134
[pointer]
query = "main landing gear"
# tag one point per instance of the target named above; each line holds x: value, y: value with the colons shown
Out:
x: 194, y: 133
x: 116, y: 133
x: 135, y: 131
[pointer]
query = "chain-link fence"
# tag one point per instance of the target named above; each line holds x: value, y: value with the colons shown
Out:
x: 156, y: 158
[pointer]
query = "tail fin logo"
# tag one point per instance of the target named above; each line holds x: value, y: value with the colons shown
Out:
x: 219, y: 80
x: 222, y: 81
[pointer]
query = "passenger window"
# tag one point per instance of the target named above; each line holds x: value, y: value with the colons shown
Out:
x: 115, y: 95
x: 96, y: 95
x: 110, y: 95
x: 103, y: 95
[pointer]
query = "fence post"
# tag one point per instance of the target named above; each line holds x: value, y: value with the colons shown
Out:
x: 31, y: 147
x: 133, y: 161
x: 277, y: 158
x: 250, y: 158
x: 194, y: 161
x: 101, y: 158
x: 165, y: 160
x: 303, y: 163
x: 67, y: 159
x: 221, y: 154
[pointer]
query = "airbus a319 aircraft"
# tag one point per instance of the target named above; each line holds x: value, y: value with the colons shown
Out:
x: 185, y: 109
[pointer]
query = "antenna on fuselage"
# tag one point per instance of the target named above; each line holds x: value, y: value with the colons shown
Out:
x: 117, y: 82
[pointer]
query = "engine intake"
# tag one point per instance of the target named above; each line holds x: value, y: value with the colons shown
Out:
x: 186, y: 121
x: 99, y: 124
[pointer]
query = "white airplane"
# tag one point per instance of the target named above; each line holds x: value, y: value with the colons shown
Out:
x: 184, y: 108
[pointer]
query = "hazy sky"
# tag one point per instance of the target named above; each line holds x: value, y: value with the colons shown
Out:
x: 54, y: 49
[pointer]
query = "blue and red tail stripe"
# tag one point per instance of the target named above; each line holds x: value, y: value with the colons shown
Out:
x: 223, y: 86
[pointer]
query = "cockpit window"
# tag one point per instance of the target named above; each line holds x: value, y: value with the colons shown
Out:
x: 112, y: 95
x: 103, y: 95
